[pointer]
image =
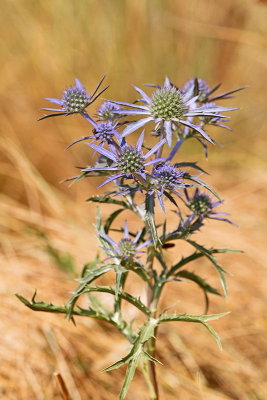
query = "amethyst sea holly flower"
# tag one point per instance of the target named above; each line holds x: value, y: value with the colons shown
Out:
x: 167, y: 108
x: 126, y: 249
x: 75, y: 99
x: 128, y: 161
x: 202, y: 207
x: 200, y: 88
x: 167, y: 179
x: 108, y: 111
x: 103, y: 132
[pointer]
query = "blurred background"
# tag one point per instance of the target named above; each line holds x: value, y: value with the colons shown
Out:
x: 46, y: 227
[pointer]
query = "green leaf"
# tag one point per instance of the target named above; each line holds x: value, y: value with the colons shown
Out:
x: 209, y: 255
x: 109, y: 200
x: 198, y: 280
x: 195, y: 256
x: 111, y: 218
x: 202, y: 183
x: 134, y: 357
x: 202, y: 319
x: 89, y: 277
x: 121, y: 294
x: 201, y: 283
x: 191, y: 165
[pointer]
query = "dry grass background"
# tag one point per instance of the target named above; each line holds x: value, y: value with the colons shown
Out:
x: 44, y: 45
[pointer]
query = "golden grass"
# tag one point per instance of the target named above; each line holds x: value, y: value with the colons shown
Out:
x: 44, y: 45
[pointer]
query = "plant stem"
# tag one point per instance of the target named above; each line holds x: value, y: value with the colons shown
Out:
x: 149, y: 368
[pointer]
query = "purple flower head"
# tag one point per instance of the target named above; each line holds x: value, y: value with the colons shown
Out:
x: 128, y: 161
x: 166, y: 179
x: 196, y: 87
x: 168, y: 108
x: 127, y: 249
x: 103, y: 132
x: 107, y: 111
x: 202, y: 207
x: 74, y: 100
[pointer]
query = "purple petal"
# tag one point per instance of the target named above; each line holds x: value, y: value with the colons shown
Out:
x: 107, y: 239
x: 135, y: 125
x: 79, y: 140
x: 53, y: 109
x: 78, y: 84
x: 137, y: 237
x: 223, y: 219
x: 168, y: 131
x: 56, y: 101
x: 143, y: 94
x: 126, y: 231
x: 125, y: 111
x: 112, y: 178
x: 156, y: 160
x: 140, y: 141
x: 100, y: 169
x: 167, y: 83
x: 227, y: 93
x: 197, y: 128
x: 155, y: 148
x: 161, y: 203
x: 103, y: 151
x: 88, y: 118
x: 122, y: 103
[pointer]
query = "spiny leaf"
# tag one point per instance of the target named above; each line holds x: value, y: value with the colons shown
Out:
x: 202, y: 183
x: 191, y: 165
x: 219, y: 269
x: 109, y: 200
x: 120, y: 294
x: 195, y: 256
x: 111, y: 218
x: 198, y: 280
x: 89, y: 277
x: 202, y: 319
x: 136, y: 354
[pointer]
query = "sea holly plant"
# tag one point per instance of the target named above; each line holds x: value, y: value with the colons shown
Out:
x: 141, y: 176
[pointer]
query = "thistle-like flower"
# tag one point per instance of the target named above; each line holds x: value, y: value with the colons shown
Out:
x: 166, y: 179
x: 75, y: 100
x: 202, y: 206
x: 168, y: 108
x: 108, y: 111
x: 103, y: 132
x: 127, y: 249
x: 128, y: 161
x: 199, y: 89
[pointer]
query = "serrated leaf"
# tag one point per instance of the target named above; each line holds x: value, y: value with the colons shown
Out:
x: 202, y: 319
x: 201, y: 283
x: 195, y: 256
x: 191, y: 165
x: 219, y: 269
x: 202, y: 183
x: 109, y: 200
x: 89, y: 277
x: 133, y: 363
x: 136, y: 354
x: 198, y: 280
x: 121, y: 294
x: 111, y: 218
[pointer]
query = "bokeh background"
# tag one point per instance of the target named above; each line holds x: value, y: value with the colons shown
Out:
x: 46, y: 227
